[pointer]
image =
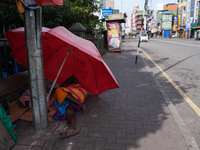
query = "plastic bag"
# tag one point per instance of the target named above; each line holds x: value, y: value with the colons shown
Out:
x: 7, y: 123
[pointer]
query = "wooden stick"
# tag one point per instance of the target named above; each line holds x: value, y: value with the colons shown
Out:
x: 57, y: 75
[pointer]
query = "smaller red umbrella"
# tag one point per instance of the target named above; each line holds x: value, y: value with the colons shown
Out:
x: 64, y: 55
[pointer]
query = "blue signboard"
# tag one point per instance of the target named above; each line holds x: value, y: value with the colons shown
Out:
x: 106, y: 12
x: 188, y: 27
x: 175, y: 20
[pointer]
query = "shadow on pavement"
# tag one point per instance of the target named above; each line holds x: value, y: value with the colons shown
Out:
x: 134, y: 116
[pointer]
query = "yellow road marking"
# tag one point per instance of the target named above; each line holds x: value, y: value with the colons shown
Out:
x: 186, y: 98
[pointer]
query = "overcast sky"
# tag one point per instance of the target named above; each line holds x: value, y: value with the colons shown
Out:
x: 126, y: 6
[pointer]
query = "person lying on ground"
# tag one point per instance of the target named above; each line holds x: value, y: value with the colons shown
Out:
x: 70, y: 100
x: 25, y: 99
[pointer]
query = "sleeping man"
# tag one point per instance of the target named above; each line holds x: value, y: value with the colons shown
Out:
x: 69, y: 100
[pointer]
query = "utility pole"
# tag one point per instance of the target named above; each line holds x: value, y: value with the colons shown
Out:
x: 121, y: 6
x: 145, y: 8
x: 33, y: 34
x: 186, y: 16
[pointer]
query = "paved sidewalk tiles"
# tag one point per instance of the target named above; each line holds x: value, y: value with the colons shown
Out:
x: 132, y: 117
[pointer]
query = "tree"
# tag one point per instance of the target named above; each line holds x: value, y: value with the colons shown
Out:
x: 71, y: 12
x: 101, y: 28
x: 9, y: 18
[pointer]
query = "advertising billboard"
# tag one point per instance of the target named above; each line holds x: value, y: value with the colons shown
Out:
x: 167, y: 17
x: 167, y: 25
x: 113, y: 36
x: 167, y: 21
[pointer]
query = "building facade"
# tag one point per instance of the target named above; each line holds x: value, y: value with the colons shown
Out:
x: 141, y: 23
x: 109, y: 4
x: 182, y: 9
x: 156, y: 21
x: 133, y: 18
x: 194, y: 17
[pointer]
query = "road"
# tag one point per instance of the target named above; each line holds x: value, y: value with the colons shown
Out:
x: 176, y: 65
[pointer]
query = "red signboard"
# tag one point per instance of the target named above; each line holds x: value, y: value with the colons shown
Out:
x: 113, y: 36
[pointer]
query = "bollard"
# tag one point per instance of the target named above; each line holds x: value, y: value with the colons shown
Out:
x: 137, y: 51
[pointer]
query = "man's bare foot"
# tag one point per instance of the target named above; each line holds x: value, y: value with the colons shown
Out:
x: 85, y: 109
x: 68, y: 132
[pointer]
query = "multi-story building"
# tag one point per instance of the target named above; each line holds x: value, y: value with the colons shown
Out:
x: 128, y: 26
x: 182, y: 7
x: 194, y: 10
x: 156, y: 21
x: 141, y: 22
x: 199, y: 13
x: 149, y: 21
x: 102, y: 3
x: 133, y: 18
x: 171, y: 8
x: 109, y: 4
x: 194, y: 16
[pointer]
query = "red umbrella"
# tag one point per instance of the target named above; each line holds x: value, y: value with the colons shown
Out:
x: 64, y: 55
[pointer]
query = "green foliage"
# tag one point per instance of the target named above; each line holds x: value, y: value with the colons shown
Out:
x: 71, y: 12
x: 9, y: 18
x: 101, y: 28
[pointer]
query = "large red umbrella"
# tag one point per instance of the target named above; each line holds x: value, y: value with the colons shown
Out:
x: 64, y: 55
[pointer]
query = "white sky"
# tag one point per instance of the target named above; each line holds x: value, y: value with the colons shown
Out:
x: 126, y: 6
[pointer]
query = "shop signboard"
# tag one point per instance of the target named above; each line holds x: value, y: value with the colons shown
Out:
x: 115, y: 17
x: 113, y: 36
x: 175, y: 20
x: 179, y: 21
x: 106, y: 12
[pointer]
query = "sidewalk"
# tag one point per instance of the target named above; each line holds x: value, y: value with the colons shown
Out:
x: 132, y: 117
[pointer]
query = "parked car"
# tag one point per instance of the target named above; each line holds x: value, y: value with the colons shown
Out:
x: 144, y: 37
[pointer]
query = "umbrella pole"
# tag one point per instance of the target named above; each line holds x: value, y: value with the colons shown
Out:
x: 57, y: 75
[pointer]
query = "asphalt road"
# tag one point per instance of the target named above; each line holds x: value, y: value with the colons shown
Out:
x: 180, y: 61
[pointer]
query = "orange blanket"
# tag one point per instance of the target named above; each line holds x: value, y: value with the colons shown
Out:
x: 75, y: 89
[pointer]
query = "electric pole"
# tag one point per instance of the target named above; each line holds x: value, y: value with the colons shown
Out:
x: 145, y: 8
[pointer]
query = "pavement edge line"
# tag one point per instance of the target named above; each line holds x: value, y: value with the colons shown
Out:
x: 189, y: 139
x: 186, y: 98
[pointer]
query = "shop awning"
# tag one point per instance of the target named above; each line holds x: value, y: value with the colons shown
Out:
x: 193, y: 25
x: 198, y: 27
